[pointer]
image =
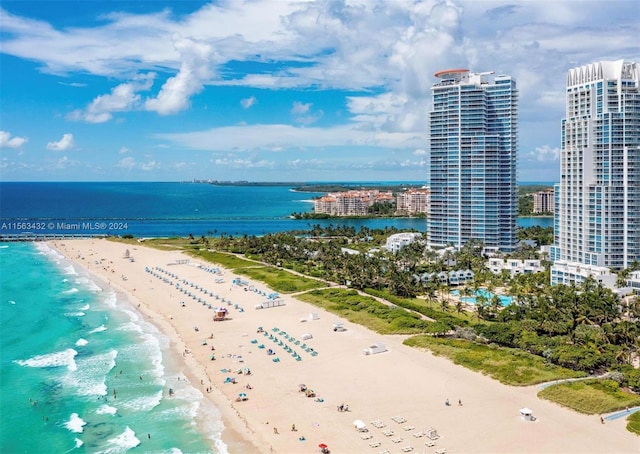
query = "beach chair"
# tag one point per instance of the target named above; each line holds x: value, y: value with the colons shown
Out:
x: 399, y: 419
x: 430, y: 444
x: 386, y: 451
x: 387, y: 433
x: 366, y: 436
x: 375, y: 444
x: 441, y: 451
x: 377, y: 424
x: 409, y: 428
x: 407, y: 449
x: 419, y: 434
x: 397, y: 439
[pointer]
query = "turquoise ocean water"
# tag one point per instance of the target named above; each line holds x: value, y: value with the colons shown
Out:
x: 66, y: 345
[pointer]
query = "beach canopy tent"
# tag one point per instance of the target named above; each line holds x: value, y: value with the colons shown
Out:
x: 306, y: 336
x: 375, y: 348
x: 360, y: 426
x: 526, y: 414
x: 221, y: 314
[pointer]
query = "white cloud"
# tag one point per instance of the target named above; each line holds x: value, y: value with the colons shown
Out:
x: 248, y: 102
x: 8, y: 141
x: 149, y: 165
x: 66, y: 143
x: 300, y: 108
x: 545, y: 153
x: 194, y: 71
x: 123, y: 150
x: 242, y: 163
x: 126, y: 163
x: 122, y: 98
x: 302, y: 113
x: 383, y: 53
x: 281, y: 136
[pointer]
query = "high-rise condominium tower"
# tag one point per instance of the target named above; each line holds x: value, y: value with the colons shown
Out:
x: 474, y: 144
x: 598, y: 217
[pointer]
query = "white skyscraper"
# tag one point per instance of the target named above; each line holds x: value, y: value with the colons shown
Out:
x: 473, y: 156
x: 598, y: 200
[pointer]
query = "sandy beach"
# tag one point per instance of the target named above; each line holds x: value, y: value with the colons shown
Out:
x: 403, y: 389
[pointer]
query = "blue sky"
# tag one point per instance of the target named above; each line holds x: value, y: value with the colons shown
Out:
x: 277, y: 90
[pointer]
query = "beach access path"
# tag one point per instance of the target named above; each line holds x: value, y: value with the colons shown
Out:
x: 403, y: 383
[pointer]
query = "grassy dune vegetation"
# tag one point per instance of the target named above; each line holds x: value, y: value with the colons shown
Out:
x: 590, y: 396
x: 507, y: 365
x: 366, y: 311
x: 280, y: 280
x: 633, y: 424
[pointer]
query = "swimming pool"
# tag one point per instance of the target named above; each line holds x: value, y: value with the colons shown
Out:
x: 505, y: 300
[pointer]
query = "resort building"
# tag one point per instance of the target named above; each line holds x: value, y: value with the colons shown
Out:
x: 455, y: 277
x: 497, y: 265
x: 473, y: 148
x: 397, y: 241
x: 350, y: 203
x: 543, y: 202
x: 598, y: 200
x: 563, y: 272
x: 413, y: 201
x: 633, y: 281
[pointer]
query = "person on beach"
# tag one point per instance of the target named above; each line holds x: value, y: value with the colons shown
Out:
x: 601, y: 419
x: 293, y: 428
x: 446, y: 402
x: 460, y: 402
x: 275, y: 431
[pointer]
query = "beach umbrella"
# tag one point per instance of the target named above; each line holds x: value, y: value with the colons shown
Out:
x: 322, y: 446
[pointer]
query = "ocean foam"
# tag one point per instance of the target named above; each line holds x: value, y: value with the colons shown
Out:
x: 85, y: 307
x: 110, y: 299
x: 12, y: 302
x: 74, y: 314
x: 106, y: 410
x: 89, y: 284
x: 123, y: 442
x: 89, y: 379
x: 4, y: 246
x: 78, y: 442
x: 98, y: 329
x: 57, y: 359
x: 75, y: 423
x: 81, y: 342
x: 45, y: 249
x: 70, y: 270
x: 143, y: 403
x: 70, y: 291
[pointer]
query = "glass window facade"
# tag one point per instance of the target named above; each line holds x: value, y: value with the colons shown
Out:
x: 473, y: 146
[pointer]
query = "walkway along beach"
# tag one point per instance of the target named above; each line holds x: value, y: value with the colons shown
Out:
x: 399, y: 394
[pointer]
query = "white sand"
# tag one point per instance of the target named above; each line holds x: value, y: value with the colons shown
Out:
x: 400, y: 382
